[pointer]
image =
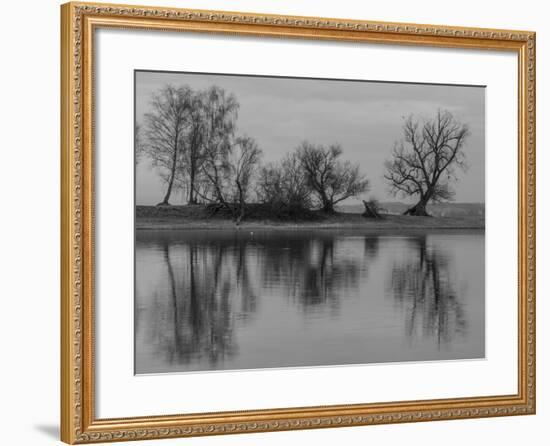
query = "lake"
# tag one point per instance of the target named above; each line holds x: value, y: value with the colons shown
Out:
x: 241, y: 299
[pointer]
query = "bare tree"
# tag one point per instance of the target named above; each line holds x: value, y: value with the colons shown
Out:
x: 220, y: 115
x: 243, y: 158
x: 330, y: 179
x: 194, y: 153
x: 165, y: 128
x: 425, y: 160
x: 231, y: 178
x: 284, y: 183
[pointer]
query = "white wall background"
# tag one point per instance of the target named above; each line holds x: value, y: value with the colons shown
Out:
x: 29, y: 222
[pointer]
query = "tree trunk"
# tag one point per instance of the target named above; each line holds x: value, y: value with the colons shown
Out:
x: 419, y: 209
x: 328, y: 207
x: 240, y: 206
x: 165, y: 200
x: 192, y: 199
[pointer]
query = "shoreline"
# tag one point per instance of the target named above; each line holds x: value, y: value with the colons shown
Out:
x: 340, y: 222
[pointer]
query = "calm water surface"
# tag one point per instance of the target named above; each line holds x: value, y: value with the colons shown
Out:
x: 225, y: 300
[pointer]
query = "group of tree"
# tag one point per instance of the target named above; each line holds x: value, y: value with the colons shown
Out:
x: 191, y: 138
x: 312, y: 176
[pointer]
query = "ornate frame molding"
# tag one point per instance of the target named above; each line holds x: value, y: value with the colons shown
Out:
x: 78, y: 424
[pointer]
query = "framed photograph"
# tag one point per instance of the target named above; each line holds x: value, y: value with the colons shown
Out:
x: 275, y: 223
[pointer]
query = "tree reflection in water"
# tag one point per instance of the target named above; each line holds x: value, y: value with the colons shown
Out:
x: 423, y: 286
x: 202, y: 284
x: 200, y: 311
x: 313, y: 271
x: 210, y: 285
x: 210, y: 300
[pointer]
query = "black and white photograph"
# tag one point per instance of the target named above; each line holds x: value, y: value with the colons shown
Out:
x: 300, y: 222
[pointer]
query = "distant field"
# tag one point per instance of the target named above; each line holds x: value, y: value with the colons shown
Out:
x: 198, y: 217
x: 437, y: 210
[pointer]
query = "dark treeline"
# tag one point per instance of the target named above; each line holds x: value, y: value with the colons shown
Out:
x: 191, y: 138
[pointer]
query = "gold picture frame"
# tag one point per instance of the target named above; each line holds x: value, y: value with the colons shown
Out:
x: 78, y: 24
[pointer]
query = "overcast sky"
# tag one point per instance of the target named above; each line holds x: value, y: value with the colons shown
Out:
x: 366, y: 118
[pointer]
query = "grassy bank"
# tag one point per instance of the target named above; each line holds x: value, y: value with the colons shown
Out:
x: 199, y: 217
